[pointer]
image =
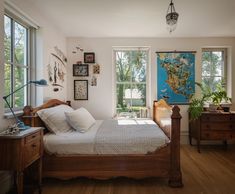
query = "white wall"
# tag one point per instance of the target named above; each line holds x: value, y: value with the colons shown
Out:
x: 100, y: 101
x: 48, y: 36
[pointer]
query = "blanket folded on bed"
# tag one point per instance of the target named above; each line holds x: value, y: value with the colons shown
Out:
x: 129, y: 137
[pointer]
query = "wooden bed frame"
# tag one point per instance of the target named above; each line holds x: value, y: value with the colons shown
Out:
x: 164, y: 162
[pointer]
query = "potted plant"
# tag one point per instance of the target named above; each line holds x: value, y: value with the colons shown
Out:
x: 216, y: 98
x: 196, y: 106
x: 220, y: 98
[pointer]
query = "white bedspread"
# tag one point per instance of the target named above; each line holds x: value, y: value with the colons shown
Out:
x: 109, y: 137
x: 132, y: 136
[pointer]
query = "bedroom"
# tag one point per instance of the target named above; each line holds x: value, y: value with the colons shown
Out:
x: 87, y: 26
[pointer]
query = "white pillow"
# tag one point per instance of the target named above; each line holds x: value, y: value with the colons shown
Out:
x: 55, y: 119
x: 80, y: 119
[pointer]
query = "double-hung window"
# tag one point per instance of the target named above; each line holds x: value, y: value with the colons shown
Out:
x: 131, y: 80
x: 17, y: 61
x: 214, y: 65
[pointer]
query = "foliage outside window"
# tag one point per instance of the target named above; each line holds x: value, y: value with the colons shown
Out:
x: 213, y: 68
x: 16, y: 66
x: 131, y: 70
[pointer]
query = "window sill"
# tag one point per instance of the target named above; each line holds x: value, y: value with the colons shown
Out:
x: 9, y: 115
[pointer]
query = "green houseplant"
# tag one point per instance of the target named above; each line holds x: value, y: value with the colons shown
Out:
x: 196, y: 106
x: 215, y: 98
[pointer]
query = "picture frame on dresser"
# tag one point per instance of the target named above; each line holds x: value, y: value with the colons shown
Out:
x: 80, y: 89
x: 81, y: 70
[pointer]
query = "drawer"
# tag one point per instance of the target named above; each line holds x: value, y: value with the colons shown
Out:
x: 218, y: 135
x: 32, y: 151
x: 216, y: 117
x: 32, y: 137
x: 217, y: 126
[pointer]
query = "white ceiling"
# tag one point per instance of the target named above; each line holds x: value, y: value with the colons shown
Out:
x: 139, y: 18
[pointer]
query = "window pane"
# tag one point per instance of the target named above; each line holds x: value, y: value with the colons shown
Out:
x: 206, y: 64
x: 211, y: 82
x: 7, y: 39
x: 20, y: 79
x: 123, y: 97
x: 123, y: 66
x: 217, y: 63
x: 212, y: 63
x: 7, y: 82
x: 20, y: 44
x: 138, y: 95
x: 139, y: 66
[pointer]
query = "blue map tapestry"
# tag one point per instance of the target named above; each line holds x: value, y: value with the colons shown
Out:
x: 175, y: 76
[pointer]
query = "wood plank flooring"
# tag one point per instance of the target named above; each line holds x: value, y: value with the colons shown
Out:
x: 210, y: 172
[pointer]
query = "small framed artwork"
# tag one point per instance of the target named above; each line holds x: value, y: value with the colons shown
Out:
x: 80, y: 70
x: 80, y: 89
x: 94, y: 81
x: 96, y: 69
x: 89, y: 57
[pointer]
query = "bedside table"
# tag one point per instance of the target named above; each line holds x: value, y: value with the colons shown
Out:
x: 19, y: 151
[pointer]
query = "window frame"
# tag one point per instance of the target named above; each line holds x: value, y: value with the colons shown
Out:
x: 114, y: 78
x: 224, y: 76
x: 28, y: 57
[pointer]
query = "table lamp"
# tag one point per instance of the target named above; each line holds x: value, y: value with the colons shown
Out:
x: 20, y: 124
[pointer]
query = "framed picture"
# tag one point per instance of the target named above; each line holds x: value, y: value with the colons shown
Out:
x: 96, y: 69
x: 80, y: 89
x: 80, y: 70
x: 89, y: 57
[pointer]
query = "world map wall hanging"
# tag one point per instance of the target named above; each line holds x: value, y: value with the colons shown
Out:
x: 176, y: 76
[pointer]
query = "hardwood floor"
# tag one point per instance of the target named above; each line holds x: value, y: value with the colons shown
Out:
x: 211, y: 171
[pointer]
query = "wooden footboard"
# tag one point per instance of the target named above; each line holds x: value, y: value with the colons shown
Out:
x: 164, y: 162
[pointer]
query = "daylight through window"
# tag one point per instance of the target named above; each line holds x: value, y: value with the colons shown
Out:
x: 16, y: 44
x: 131, y: 71
x: 214, y: 68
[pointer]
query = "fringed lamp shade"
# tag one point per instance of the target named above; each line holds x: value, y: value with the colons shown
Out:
x: 171, y: 17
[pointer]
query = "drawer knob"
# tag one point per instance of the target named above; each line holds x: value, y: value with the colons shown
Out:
x: 34, y: 145
x: 33, y: 136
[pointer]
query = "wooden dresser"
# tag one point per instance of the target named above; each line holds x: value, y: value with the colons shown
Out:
x: 212, y: 126
x: 19, y: 151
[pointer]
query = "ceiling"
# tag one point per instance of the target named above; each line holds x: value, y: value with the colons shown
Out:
x: 139, y: 18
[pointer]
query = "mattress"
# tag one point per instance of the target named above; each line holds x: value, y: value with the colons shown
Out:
x: 132, y: 136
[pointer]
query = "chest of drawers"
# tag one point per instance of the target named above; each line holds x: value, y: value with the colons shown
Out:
x: 19, y: 151
x: 212, y: 126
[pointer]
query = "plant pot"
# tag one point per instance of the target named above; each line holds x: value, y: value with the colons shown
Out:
x: 226, y: 106
x: 213, y: 107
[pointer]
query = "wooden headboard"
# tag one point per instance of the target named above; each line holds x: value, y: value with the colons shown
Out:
x: 30, y: 116
x: 174, y: 115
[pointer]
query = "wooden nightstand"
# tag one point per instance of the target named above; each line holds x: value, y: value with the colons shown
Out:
x: 19, y: 151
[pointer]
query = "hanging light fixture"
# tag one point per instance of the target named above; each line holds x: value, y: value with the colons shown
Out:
x: 171, y: 17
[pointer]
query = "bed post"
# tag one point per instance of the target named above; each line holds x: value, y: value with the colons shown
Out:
x: 175, y: 179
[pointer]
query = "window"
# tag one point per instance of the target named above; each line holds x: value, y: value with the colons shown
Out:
x: 16, y: 43
x: 214, y: 68
x: 131, y: 73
